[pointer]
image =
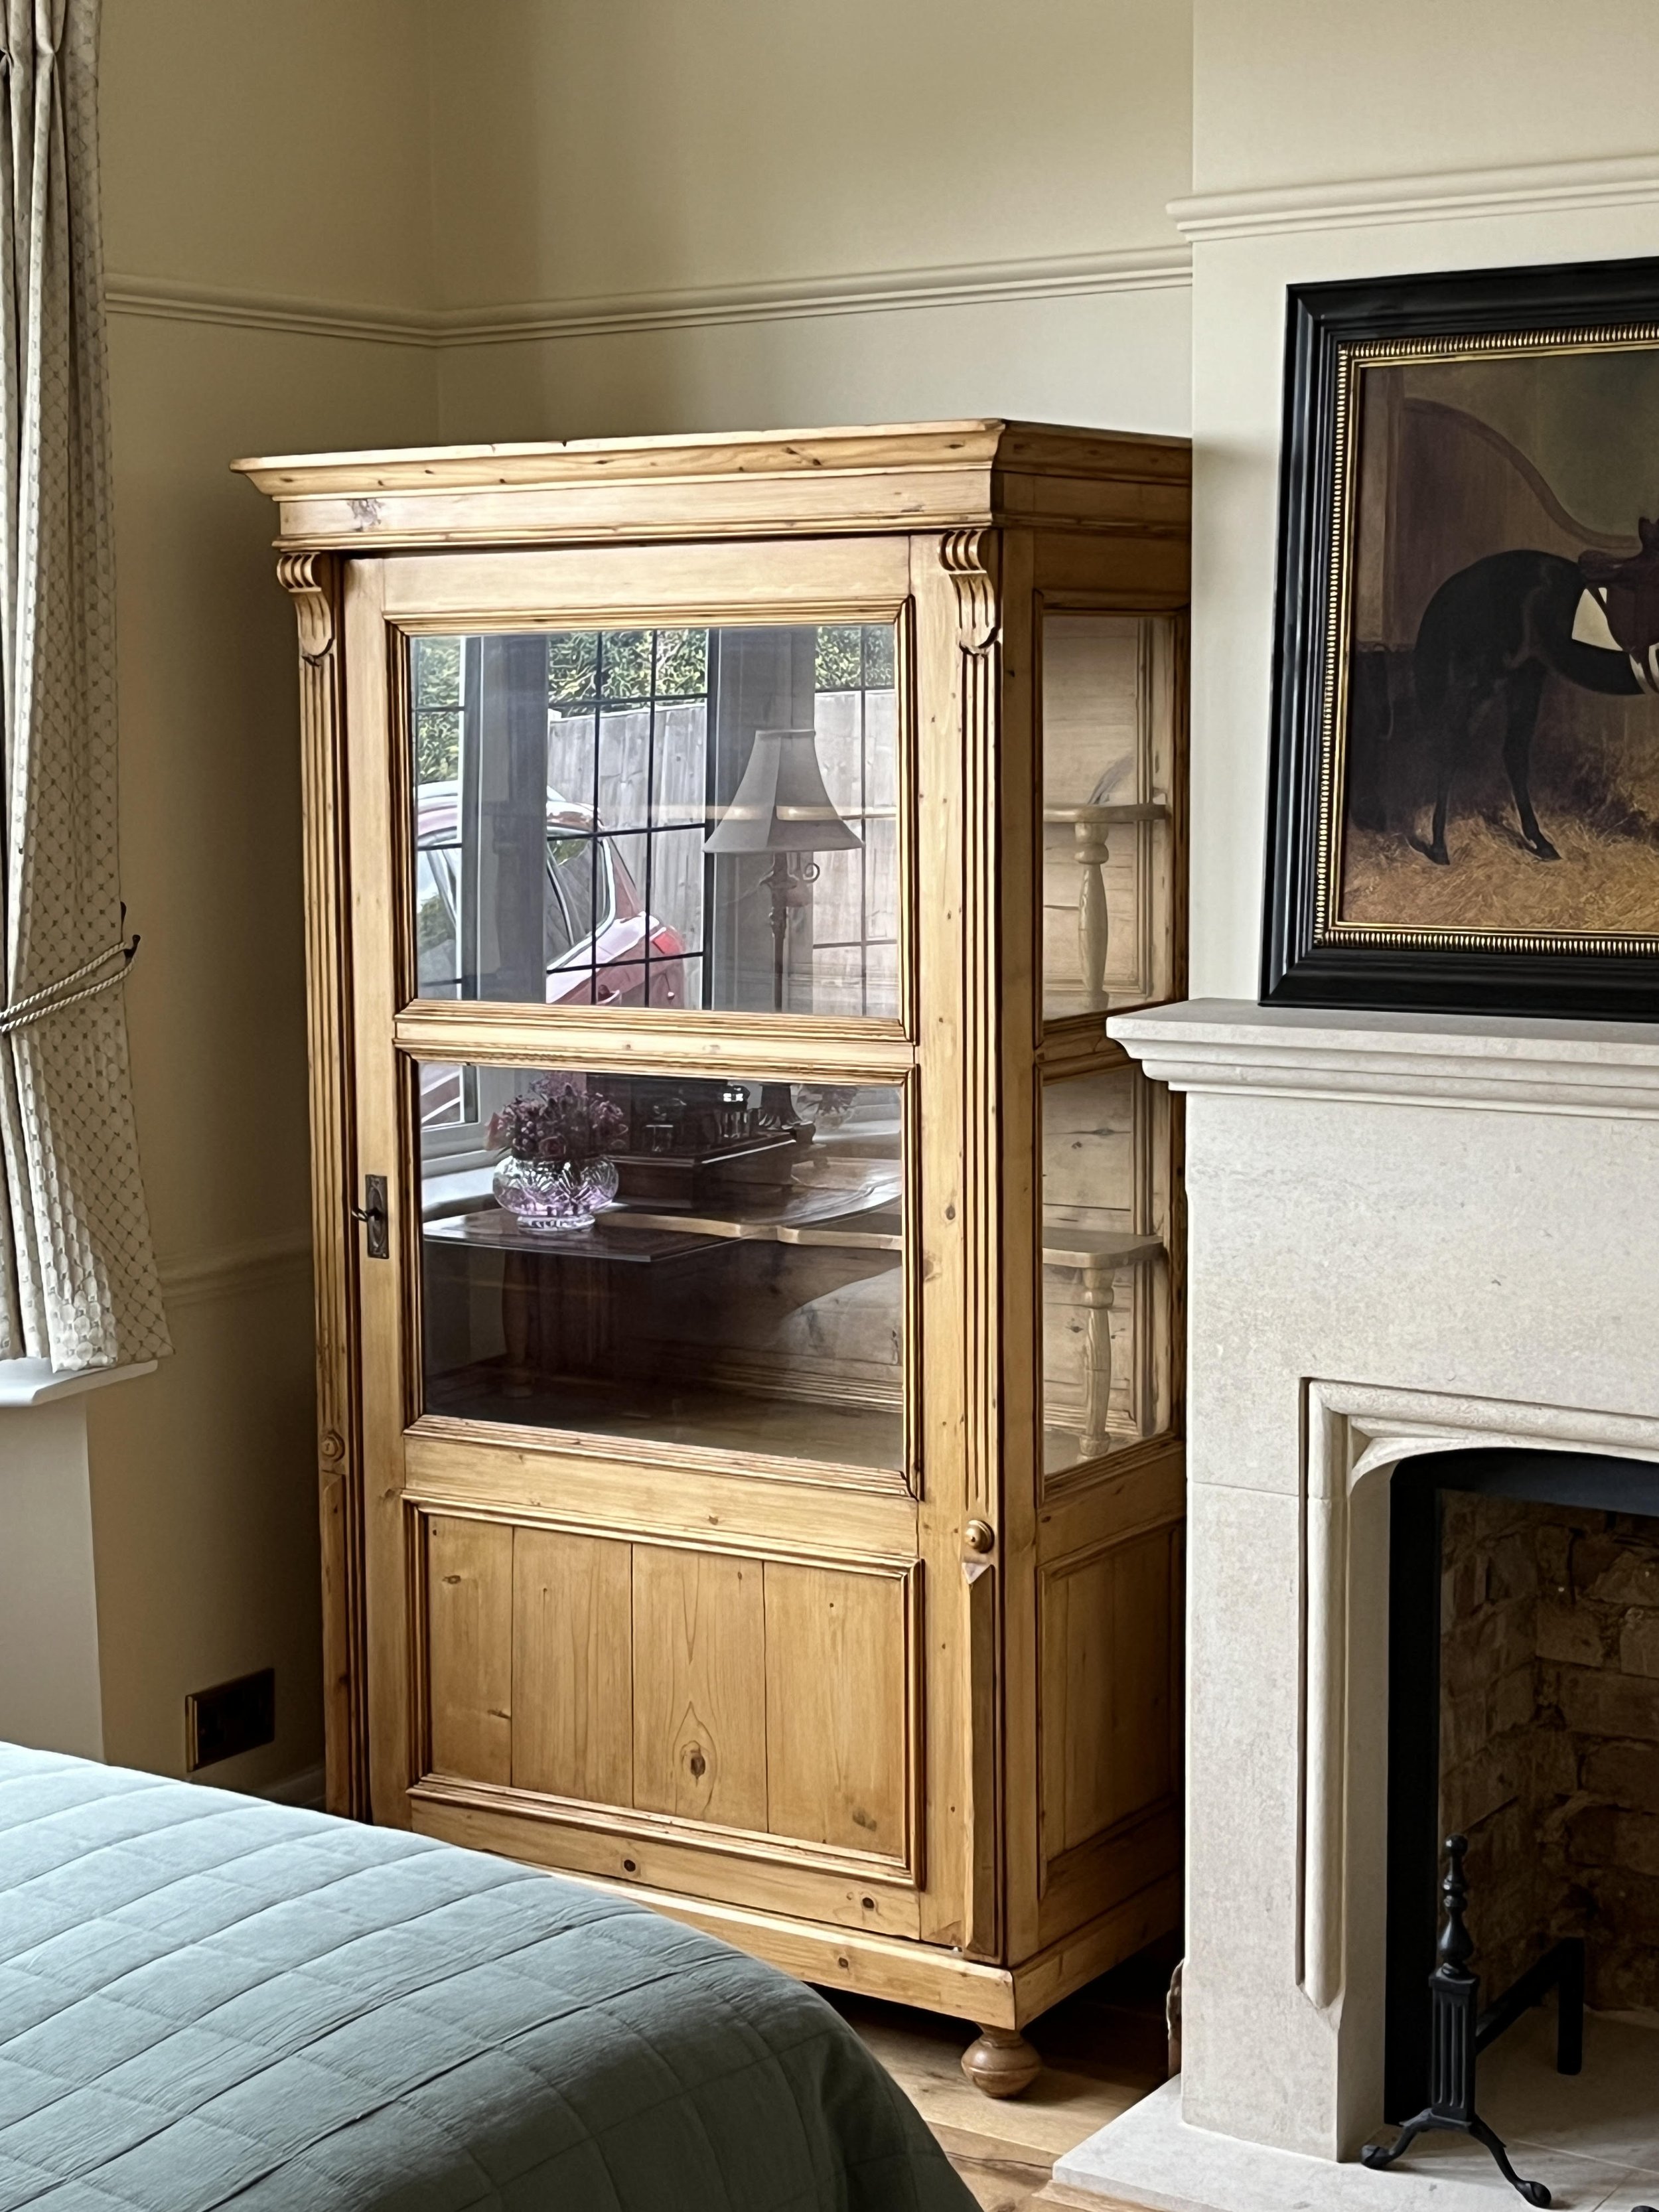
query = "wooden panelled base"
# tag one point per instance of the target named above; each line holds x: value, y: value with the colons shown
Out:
x: 901, y: 1971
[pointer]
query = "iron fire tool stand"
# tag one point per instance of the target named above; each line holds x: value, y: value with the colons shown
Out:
x: 1458, y: 2033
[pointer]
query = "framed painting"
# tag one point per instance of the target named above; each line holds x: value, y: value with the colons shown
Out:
x: 1465, y: 802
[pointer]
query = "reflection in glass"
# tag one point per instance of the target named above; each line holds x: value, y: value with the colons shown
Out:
x: 1104, y: 1328
x: 1107, y: 706
x: 574, y: 837
x: 744, y: 1289
x: 782, y: 809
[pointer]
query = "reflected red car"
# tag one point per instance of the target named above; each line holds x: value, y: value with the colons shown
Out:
x: 597, y: 931
x: 602, y: 947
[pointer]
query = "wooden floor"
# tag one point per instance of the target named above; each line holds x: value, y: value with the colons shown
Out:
x: 1104, y: 2049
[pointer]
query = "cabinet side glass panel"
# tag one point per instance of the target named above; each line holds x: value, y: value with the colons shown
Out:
x: 714, y: 1261
x: 1105, y: 1319
x: 687, y: 817
x: 1109, y: 702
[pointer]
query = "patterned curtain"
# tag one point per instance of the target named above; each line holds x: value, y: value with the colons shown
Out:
x: 78, y: 1277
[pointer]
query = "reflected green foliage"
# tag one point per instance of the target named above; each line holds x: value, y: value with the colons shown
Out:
x: 434, y: 930
x: 437, y: 672
x: 839, y: 657
x: 855, y: 656
x: 625, y: 670
x: 435, y: 675
x: 682, y: 664
x: 437, y: 744
x: 572, y: 655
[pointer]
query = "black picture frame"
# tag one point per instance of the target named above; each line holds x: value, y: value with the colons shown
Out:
x: 1309, y: 959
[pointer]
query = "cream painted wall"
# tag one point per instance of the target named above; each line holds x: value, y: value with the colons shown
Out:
x: 654, y: 148
x: 654, y: 145
x: 273, y: 146
x: 1285, y: 91
x: 265, y: 158
x: 1118, y: 358
x: 269, y: 158
x: 455, y: 158
x: 1298, y: 94
x: 255, y: 147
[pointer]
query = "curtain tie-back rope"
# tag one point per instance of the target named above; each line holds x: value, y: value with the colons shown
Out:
x: 53, y: 998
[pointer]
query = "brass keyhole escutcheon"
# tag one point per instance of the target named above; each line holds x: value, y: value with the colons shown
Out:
x: 981, y: 1536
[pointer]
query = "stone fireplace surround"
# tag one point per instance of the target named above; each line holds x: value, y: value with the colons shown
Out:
x: 1407, y: 1233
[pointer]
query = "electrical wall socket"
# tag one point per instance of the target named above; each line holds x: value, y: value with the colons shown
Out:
x: 231, y: 1717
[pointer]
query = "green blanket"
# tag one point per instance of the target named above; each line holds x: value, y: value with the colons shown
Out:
x: 207, y: 2000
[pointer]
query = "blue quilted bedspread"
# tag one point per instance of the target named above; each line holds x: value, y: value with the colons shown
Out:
x: 207, y: 2000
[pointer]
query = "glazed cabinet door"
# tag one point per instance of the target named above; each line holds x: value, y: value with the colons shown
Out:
x: 1094, y: 1845
x: 658, y: 1591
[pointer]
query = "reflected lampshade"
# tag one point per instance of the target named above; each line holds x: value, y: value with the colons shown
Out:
x: 782, y: 805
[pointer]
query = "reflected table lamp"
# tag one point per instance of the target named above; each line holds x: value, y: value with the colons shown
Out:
x: 781, y: 807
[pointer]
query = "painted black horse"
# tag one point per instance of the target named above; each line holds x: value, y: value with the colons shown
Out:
x: 1493, y: 633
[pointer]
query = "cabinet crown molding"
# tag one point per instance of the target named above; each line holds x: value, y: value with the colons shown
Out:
x: 955, y: 475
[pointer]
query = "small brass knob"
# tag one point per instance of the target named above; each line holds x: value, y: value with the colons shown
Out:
x: 981, y: 1536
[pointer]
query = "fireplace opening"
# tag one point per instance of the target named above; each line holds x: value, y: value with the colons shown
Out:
x: 1523, y: 1714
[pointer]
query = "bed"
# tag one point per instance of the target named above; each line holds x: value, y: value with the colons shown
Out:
x: 209, y: 2000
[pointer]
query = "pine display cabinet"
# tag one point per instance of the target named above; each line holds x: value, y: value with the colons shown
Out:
x: 748, y: 1279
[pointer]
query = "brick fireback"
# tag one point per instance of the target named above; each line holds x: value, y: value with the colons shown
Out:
x: 1549, y: 1735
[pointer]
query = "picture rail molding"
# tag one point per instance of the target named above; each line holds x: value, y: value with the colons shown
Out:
x: 1128, y: 269
x: 1448, y: 195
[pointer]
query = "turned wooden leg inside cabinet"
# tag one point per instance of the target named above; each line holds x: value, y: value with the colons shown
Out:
x: 1001, y: 2063
x: 517, y: 1297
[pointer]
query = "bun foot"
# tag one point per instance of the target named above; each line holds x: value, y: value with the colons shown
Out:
x: 1001, y: 2063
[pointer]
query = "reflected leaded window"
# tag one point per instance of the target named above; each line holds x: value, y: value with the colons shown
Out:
x: 588, y: 829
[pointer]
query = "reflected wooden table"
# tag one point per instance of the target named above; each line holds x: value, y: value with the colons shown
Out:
x: 843, y: 1204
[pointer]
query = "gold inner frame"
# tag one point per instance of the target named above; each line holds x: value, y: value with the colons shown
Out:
x: 1353, y: 360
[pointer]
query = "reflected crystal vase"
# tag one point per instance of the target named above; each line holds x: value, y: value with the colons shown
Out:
x: 555, y: 1194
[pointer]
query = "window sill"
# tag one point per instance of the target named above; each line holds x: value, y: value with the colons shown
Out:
x: 37, y: 1382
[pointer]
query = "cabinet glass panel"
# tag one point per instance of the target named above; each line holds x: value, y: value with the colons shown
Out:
x: 667, y: 817
x: 1105, y: 1319
x: 708, y: 1260
x: 1109, y: 701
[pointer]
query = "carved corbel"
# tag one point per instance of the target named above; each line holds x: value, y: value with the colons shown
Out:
x: 310, y: 580
x: 969, y: 559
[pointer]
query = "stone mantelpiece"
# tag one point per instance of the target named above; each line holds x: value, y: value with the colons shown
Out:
x: 1407, y: 1233
x: 1509, y: 1061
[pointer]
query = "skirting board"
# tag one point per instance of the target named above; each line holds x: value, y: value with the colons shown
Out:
x: 304, y: 1790
x: 1148, y: 2160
